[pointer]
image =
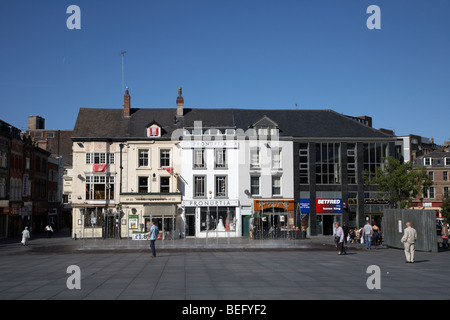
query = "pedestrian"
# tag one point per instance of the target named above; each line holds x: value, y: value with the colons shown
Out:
x: 339, y: 236
x: 346, y: 232
x: 376, y: 233
x: 409, y: 239
x: 25, y: 236
x: 153, y: 235
x: 361, y: 235
x: 368, y: 232
x: 444, y: 233
x: 49, y: 230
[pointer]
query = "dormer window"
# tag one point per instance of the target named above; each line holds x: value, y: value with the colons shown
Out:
x: 427, y: 161
x: 230, y: 132
x: 265, y: 127
x: 153, y: 130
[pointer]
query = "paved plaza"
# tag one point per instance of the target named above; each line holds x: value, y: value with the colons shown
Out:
x: 306, y: 269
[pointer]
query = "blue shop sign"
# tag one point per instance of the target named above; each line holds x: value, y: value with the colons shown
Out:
x: 305, y: 205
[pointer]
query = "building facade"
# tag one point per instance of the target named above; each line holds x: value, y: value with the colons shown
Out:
x: 59, y: 144
x: 124, y: 174
x: 437, y: 165
x: 223, y: 172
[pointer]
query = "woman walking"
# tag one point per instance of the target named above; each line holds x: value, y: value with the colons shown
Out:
x: 339, y: 236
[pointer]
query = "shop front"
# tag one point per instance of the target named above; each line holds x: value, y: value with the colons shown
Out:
x: 212, y: 218
x: 91, y: 221
x: 165, y: 218
x: 273, y: 218
x: 328, y: 211
x: 374, y: 210
x: 161, y: 208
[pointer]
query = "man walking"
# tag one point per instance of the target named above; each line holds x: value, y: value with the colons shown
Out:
x: 368, y: 232
x: 153, y: 235
x: 409, y: 239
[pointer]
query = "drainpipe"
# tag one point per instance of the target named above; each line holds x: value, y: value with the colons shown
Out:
x: 121, y: 168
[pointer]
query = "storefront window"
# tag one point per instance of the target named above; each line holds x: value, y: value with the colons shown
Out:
x: 222, y: 219
x: 93, y: 218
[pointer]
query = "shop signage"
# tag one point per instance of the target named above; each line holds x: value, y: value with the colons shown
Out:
x: 210, y: 144
x: 328, y: 205
x: 210, y: 203
x: 139, y: 235
x: 287, y: 205
x: 305, y: 205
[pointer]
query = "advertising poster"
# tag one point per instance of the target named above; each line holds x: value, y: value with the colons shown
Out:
x: 133, y: 222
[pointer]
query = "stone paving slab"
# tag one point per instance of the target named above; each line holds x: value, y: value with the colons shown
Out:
x: 39, y: 272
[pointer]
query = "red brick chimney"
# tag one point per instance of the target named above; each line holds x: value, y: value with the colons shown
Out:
x: 126, y: 103
x: 180, y: 103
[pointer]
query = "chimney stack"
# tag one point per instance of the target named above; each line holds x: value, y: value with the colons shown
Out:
x: 36, y: 123
x: 180, y: 103
x: 126, y: 103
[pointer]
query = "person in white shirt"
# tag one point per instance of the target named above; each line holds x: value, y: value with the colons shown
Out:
x: 25, y: 236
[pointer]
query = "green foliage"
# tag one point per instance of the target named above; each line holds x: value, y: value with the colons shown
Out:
x: 398, y: 182
x: 445, y: 208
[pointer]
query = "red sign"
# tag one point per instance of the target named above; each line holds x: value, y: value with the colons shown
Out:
x: 328, y: 205
x: 169, y: 170
x: 99, y: 167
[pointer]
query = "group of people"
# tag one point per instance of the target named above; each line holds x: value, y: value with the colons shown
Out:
x: 409, y: 238
x: 367, y: 234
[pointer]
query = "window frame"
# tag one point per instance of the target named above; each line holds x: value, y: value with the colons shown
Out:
x: 166, y: 158
x: 143, y: 155
x: 224, y: 181
x: 195, y: 188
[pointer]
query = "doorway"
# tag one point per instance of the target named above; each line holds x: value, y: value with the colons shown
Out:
x: 190, y: 226
x: 325, y: 223
x: 111, y: 227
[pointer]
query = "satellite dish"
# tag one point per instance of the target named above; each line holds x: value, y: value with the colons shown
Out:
x: 247, y: 192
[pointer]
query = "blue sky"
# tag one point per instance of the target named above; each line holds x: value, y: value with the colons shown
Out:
x: 318, y: 54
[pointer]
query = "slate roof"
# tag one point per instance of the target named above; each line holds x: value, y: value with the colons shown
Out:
x: 437, y: 160
x: 111, y: 124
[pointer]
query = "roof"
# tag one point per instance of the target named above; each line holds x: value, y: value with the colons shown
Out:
x: 111, y: 124
x: 436, y: 155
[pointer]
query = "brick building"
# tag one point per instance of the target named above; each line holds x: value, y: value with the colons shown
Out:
x: 437, y: 165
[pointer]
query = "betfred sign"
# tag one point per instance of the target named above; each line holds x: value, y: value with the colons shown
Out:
x: 328, y: 205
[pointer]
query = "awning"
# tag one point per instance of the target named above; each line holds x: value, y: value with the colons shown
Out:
x: 160, y: 210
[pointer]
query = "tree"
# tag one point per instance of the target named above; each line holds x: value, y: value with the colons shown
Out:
x: 445, y: 208
x: 398, y: 182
